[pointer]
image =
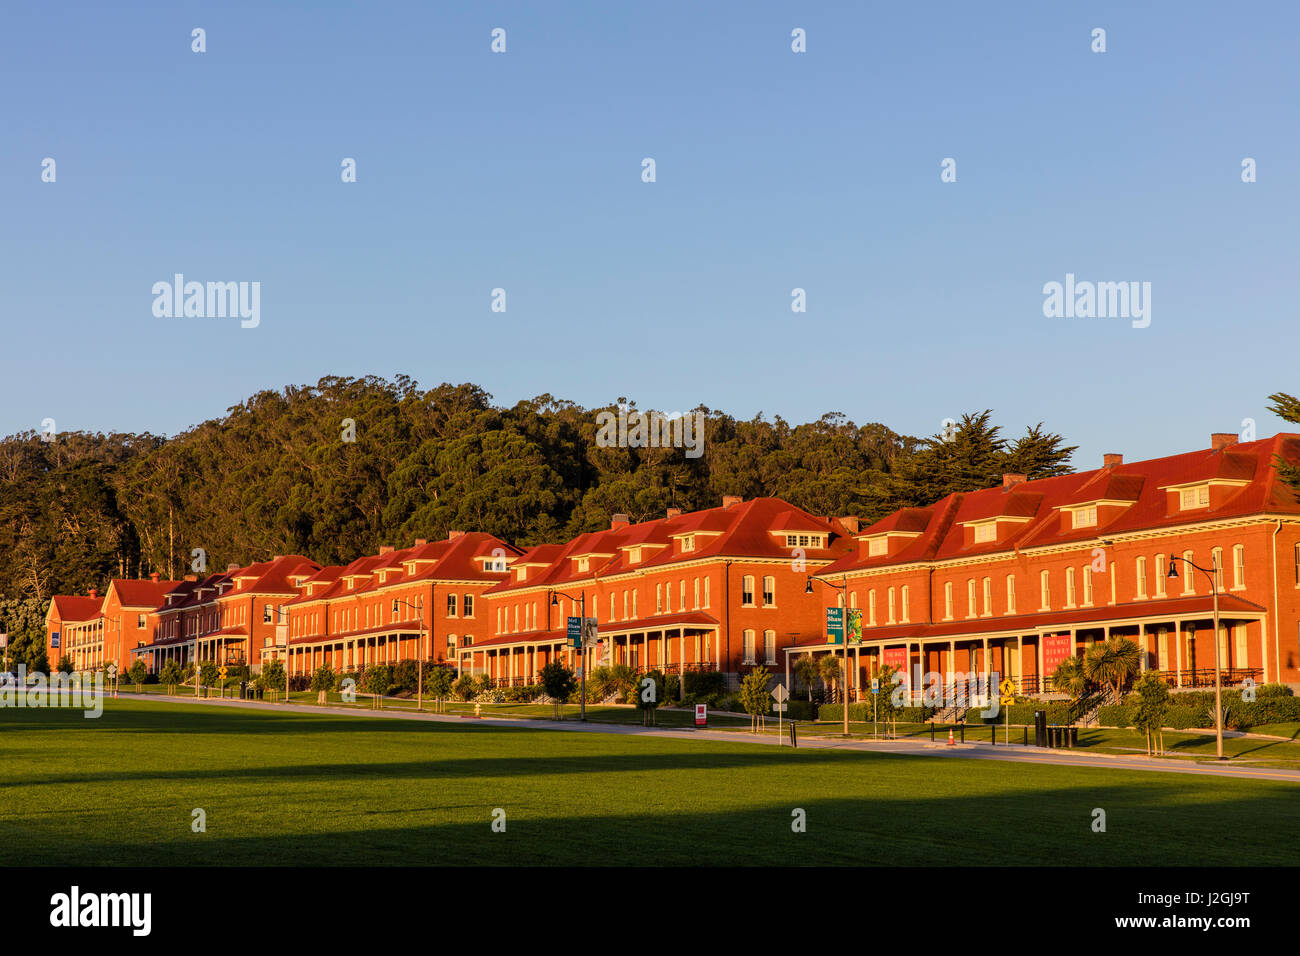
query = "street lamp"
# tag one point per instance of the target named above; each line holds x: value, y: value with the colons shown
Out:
x: 1213, y: 575
x: 844, y: 636
x: 419, y: 665
x: 582, y: 650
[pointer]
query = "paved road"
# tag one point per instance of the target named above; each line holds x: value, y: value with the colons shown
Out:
x: 1014, y: 753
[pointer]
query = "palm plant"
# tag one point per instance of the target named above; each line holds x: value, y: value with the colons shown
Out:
x: 830, y: 671
x: 808, y: 671
x: 1112, y: 664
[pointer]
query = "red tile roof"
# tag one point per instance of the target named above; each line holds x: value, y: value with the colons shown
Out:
x: 744, y: 530
x: 77, y: 607
x: 1141, y: 483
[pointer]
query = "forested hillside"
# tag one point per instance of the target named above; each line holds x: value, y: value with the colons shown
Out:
x: 276, y: 475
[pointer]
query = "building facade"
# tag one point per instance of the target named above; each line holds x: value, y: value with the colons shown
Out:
x: 1016, y: 578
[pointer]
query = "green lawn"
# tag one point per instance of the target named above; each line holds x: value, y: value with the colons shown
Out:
x: 345, y: 788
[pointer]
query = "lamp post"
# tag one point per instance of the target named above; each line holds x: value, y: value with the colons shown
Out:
x: 419, y: 664
x: 582, y: 651
x: 844, y: 637
x: 1213, y: 575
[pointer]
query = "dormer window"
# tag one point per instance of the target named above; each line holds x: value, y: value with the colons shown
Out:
x: 688, y: 542
x: 804, y: 541
x: 520, y: 573
x: 1085, y: 517
x: 497, y: 565
x: 584, y: 564
x: 634, y: 556
x: 986, y: 532
x: 877, y: 547
x: 1191, y: 498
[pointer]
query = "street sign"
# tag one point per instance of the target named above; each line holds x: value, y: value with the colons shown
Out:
x: 778, y: 707
x: 111, y: 669
x: 781, y: 694
x: 1008, y: 691
x: 222, y: 671
x: 834, y: 625
x: 875, y: 685
x: 574, y: 632
x: 701, y: 715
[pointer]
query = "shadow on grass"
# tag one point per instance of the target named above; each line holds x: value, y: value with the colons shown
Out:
x: 1023, y: 826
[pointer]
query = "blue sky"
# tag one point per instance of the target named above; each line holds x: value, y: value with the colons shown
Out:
x: 774, y: 171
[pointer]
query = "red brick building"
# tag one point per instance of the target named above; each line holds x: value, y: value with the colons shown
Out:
x: 91, y: 631
x: 423, y: 601
x: 1013, y: 579
x: 719, y: 589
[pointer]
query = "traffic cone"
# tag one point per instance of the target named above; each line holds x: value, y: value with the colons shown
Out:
x: 951, y: 742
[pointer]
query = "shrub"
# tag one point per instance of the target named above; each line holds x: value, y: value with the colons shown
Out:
x: 706, y: 686
x: 800, y: 710
x: 1116, y: 715
x: 138, y: 672
x: 1180, y: 717
x: 465, y: 687
x: 405, y: 676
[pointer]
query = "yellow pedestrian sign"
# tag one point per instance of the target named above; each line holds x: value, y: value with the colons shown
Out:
x: 1008, y: 690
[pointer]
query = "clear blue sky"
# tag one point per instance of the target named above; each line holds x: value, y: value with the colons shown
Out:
x: 775, y: 171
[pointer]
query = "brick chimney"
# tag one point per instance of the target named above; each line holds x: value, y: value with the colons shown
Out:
x: 453, y: 535
x: 674, y: 513
x: 153, y: 576
x: 851, y: 523
x: 231, y: 568
x: 1110, y: 460
x: 93, y: 592
x: 1221, y: 440
x: 191, y: 577
x: 618, y: 521
x: 385, y: 549
x: 421, y: 542
x: 1009, y: 481
x: 729, y: 500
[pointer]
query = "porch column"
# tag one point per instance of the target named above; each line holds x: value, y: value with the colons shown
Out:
x: 1178, y: 652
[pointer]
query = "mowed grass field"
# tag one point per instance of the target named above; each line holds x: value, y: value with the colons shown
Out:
x: 300, y: 789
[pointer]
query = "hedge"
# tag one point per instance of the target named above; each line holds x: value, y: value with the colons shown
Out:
x: 1116, y: 715
x: 800, y: 710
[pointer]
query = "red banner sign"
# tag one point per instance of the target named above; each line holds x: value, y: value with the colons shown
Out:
x: 1056, y: 648
x: 895, y: 657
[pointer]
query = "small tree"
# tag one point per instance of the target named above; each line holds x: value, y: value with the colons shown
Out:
x: 65, y: 664
x: 439, y: 681
x: 1153, y: 700
x: 376, y: 680
x: 170, y: 675
x: 559, y: 683
x: 754, y: 696
x: 808, y: 671
x: 465, y: 687
x: 886, y: 709
x: 649, y: 694
x: 272, y: 677
x: 138, y: 673
x: 322, y: 682
x: 208, y: 674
